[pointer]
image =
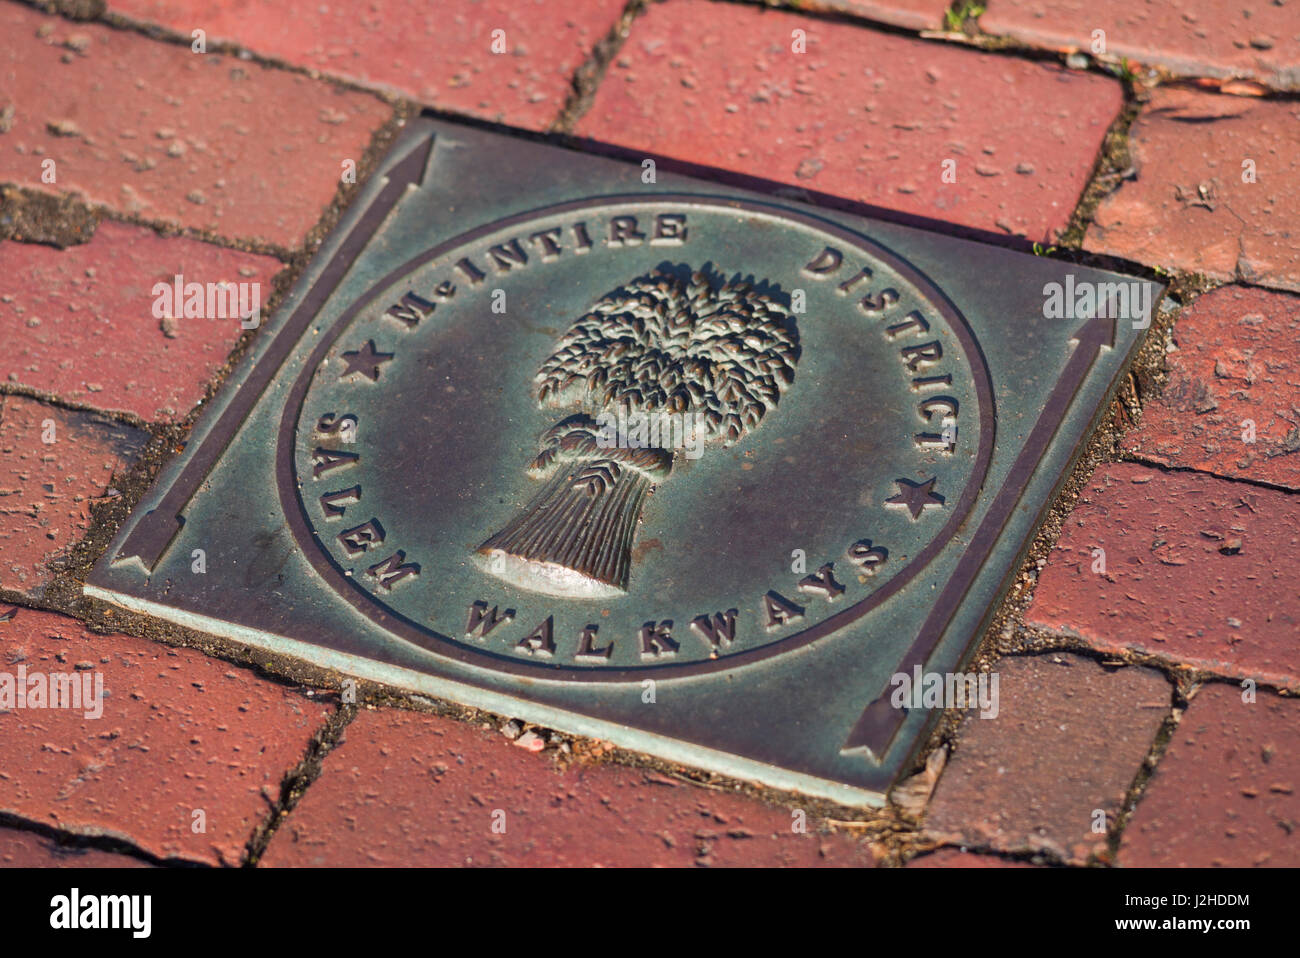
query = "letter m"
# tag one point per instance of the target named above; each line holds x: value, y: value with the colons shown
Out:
x: 393, y: 570
x: 962, y: 691
x: 1113, y: 301
x: 65, y: 690
x: 115, y: 911
x: 410, y: 309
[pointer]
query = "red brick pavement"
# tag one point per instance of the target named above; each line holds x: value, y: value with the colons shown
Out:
x: 438, y: 53
x: 22, y: 849
x: 53, y: 464
x: 1050, y: 771
x: 157, y: 131
x: 912, y: 14
x: 718, y: 84
x: 412, y: 789
x: 1196, y: 570
x: 1259, y: 39
x: 82, y: 326
x: 1213, y: 189
x: 1227, y: 791
x: 1230, y: 407
x: 1196, y: 563
x: 184, y: 761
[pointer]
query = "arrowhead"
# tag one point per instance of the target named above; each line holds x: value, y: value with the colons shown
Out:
x: 1095, y: 333
x: 410, y: 168
x: 127, y: 558
x: 147, y: 542
x: 875, y: 729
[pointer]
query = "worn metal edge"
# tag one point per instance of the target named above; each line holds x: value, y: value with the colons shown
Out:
x: 659, y: 746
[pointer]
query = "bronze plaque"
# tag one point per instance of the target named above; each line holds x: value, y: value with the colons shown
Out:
x: 686, y: 468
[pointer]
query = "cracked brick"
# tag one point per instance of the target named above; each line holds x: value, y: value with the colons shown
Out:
x: 1056, y: 761
x: 1190, y: 204
x: 180, y: 733
x: 1195, y: 570
x: 1232, y: 403
x: 412, y: 789
x: 1227, y: 790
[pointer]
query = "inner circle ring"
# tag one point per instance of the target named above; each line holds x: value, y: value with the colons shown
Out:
x: 295, y: 508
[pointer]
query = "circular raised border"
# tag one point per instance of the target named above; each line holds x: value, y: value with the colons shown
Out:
x: 295, y: 509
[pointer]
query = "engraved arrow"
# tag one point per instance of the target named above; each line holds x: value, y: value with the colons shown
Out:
x: 154, y: 533
x: 880, y: 721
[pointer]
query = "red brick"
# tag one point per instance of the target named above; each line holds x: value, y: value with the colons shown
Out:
x: 81, y: 324
x: 152, y: 129
x: 1068, y: 739
x: 1203, y: 38
x: 438, y: 53
x: 180, y: 732
x: 46, y: 489
x: 19, y: 849
x: 1187, y: 207
x: 1237, y: 360
x: 413, y: 789
x: 1198, y: 571
x: 911, y: 14
x: 1227, y: 791
x: 862, y: 115
x: 956, y: 858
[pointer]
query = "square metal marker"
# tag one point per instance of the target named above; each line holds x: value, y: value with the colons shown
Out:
x: 693, y: 470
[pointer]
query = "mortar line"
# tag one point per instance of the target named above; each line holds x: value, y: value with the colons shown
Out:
x: 297, y: 780
x: 1139, y: 459
x: 589, y: 74
x: 564, y: 122
x: 104, y: 843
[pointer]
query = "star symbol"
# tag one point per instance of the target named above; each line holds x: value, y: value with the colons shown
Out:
x: 915, y: 496
x: 365, y: 361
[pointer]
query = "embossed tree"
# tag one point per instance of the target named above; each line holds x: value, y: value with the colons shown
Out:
x: 719, y: 354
